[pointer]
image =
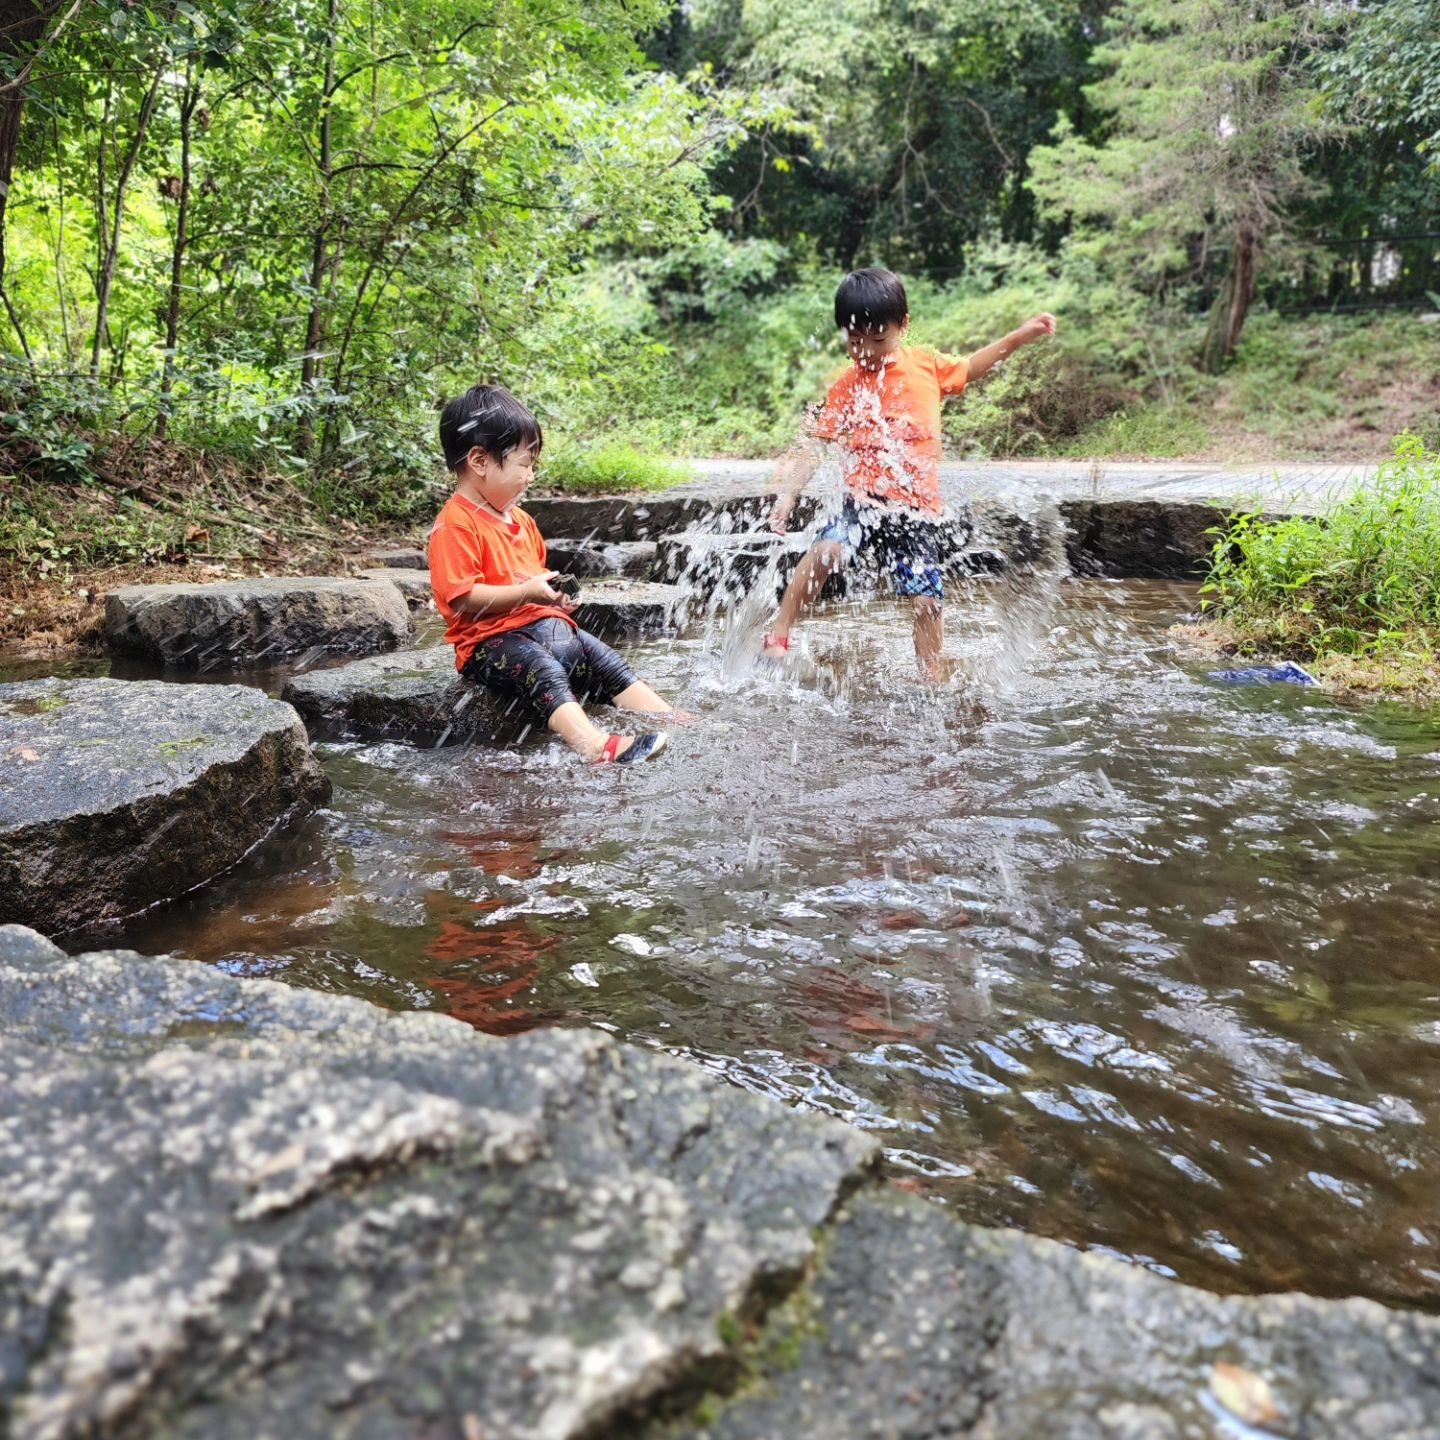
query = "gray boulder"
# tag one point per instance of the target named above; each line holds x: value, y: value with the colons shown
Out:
x: 233, y: 1209
x: 246, y: 622
x: 134, y: 792
x: 412, y: 695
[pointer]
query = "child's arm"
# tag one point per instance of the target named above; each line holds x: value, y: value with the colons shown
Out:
x: 985, y: 360
x: 792, y: 475
x: 497, y: 599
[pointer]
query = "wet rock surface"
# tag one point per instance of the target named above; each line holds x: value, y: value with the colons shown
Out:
x: 244, y: 622
x: 130, y: 793
x: 617, y: 610
x: 234, y: 1208
x: 915, y: 1325
x: 632, y: 559
x: 412, y: 695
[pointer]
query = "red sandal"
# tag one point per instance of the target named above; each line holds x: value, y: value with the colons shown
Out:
x: 775, y: 642
x: 646, y: 747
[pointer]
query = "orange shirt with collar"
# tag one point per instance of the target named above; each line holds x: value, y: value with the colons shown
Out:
x: 468, y: 547
x: 888, y: 420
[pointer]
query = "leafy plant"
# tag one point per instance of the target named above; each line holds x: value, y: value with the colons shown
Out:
x: 610, y: 469
x: 1362, y: 580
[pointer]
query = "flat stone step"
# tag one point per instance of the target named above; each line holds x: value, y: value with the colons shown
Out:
x: 404, y: 558
x: 414, y: 585
x: 122, y: 794
x: 410, y: 695
x: 243, y: 622
x: 632, y: 559
x: 617, y: 610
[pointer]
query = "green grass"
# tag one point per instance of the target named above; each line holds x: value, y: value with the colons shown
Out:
x: 610, y: 468
x: 1143, y: 432
x: 1360, y: 583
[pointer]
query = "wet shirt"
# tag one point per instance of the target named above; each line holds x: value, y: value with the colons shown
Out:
x: 469, y: 547
x: 888, y: 421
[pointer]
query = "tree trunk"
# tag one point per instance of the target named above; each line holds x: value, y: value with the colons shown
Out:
x: 189, y: 99
x: 312, y: 362
x: 1232, y: 305
x: 22, y: 26
x: 106, y: 277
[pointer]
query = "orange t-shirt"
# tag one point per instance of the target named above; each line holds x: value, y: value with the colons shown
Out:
x: 469, y: 547
x: 889, y: 420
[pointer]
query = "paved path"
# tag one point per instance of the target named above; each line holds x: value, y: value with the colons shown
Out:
x: 1274, y: 487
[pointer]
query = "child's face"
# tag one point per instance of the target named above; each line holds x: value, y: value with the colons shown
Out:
x: 502, y: 482
x: 869, y: 347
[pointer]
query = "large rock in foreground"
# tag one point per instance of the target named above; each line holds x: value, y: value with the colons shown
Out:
x: 236, y: 1209
x: 123, y: 794
x: 250, y: 622
x: 412, y: 695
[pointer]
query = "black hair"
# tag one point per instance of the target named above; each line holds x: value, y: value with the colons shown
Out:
x: 492, y: 418
x: 871, y: 300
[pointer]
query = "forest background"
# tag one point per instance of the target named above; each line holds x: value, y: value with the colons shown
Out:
x: 246, y: 247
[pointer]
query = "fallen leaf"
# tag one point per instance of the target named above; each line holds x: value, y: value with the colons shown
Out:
x: 1243, y: 1393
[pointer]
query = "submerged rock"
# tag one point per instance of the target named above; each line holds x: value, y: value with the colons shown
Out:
x: 130, y: 793
x: 234, y: 1208
x: 243, y: 622
x: 412, y: 695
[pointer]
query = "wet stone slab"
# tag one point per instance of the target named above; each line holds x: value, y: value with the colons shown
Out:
x: 124, y: 794
x: 411, y: 695
x: 244, y: 622
x: 619, y: 610
x: 234, y: 1208
x: 630, y: 559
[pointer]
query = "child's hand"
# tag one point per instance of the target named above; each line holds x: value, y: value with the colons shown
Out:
x: 537, y: 590
x: 780, y: 512
x: 1039, y: 328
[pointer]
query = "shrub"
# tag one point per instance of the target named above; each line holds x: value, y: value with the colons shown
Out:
x: 1362, y: 580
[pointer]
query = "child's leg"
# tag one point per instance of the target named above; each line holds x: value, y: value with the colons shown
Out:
x: 520, y: 664
x: 821, y: 561
x: 929, y: 635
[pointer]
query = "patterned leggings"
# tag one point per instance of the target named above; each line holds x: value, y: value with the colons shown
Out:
x: 546, y: 664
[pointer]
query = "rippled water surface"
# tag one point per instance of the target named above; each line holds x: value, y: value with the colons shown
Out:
x: 1097, y: 946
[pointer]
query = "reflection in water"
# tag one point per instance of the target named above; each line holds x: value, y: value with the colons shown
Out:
x: 1139, y: 961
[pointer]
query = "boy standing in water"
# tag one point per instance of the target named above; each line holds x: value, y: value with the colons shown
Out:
x: 884, y: 411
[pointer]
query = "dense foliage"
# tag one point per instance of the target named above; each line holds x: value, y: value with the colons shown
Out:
x: 1362, y: 580
x: 280, y: 231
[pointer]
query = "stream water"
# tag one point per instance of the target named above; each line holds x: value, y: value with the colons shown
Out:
x: 1097, y: 946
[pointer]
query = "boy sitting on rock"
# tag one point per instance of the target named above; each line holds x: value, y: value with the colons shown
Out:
x: 511, y: 628
x: 884, y: 412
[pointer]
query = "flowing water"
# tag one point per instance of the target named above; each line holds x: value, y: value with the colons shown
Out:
x: 1097, y: 946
